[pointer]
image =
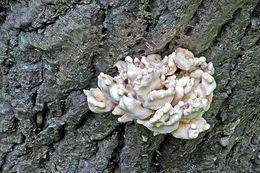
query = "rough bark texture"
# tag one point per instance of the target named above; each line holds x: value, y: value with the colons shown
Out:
x: 51, y: 49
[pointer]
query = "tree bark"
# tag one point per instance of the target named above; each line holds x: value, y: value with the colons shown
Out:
x: 50, y: 50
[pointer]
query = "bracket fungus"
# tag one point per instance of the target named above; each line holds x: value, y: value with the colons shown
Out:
x: 167, y: 95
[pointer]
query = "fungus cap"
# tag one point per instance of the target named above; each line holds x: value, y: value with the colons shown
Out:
x: 167, y: 95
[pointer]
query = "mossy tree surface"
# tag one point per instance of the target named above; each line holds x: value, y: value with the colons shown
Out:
x: 50, y: 50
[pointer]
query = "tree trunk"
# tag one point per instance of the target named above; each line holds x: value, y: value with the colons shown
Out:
x: 50, y: 50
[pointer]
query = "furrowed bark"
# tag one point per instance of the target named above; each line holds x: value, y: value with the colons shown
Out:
x: 50, y: 50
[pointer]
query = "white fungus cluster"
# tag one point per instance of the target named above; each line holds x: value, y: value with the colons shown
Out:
x: 167, y: 95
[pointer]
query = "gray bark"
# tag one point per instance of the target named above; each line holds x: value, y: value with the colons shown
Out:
x: 52, y: 49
